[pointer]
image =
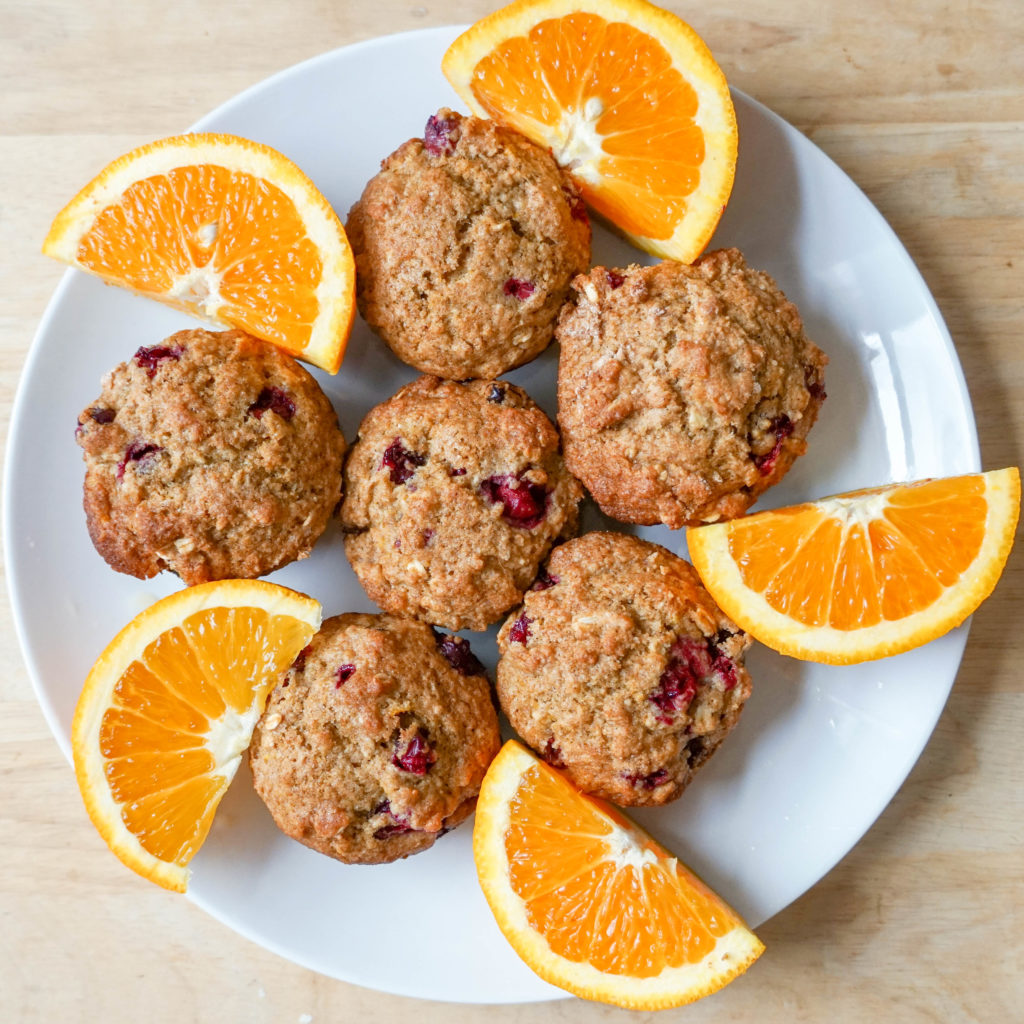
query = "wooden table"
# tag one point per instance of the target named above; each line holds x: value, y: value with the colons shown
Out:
x: 922, y: 103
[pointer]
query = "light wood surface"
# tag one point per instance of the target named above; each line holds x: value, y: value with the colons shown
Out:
x: 922, y: 103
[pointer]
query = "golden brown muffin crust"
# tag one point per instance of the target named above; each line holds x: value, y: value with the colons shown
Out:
x: 620, y: 668
x: 684, y: 392
x: 212, y: 454
x: 465, y: 244
x: 376, y: 740
x: 454, y: 495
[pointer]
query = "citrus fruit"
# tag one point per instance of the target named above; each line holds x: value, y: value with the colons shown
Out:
x: 168, y: 710
x: 223, y: 228
x: 862, y: 575
x: 628, y: 99
x: 590, y: 901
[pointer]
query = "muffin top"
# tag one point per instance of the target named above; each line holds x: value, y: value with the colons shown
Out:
x: 684, y: 391
x: 376, y: 740
x: 465, y: 244
x: 212, y: 454
x: 454, y: 495
x: 621, y: 669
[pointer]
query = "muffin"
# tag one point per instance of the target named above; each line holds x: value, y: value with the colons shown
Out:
x: 454, y: 495
x: 465, y: 244
x: 376, y: 740
x: 684, y: 392
x: 621, y: 669
x: 213, y: 455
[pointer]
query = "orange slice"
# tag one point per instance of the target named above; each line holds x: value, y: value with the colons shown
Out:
x: 628, y: 99
x: 862, y: 575
x: 168, y: 710
x: 223, y: 228
x: 590, y: 901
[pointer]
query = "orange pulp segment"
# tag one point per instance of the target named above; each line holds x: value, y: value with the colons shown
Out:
x: 223, y: 228
x: 168, y: 710
x: 590, y: 901
x: 865, y: 574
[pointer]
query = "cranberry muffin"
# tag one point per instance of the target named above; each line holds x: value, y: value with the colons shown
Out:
x: 376, y: 740
x: 213, y: 454
x: 684, y: 392
x: 465, y: 244
x: 621, y: 669
x: 455, y: 492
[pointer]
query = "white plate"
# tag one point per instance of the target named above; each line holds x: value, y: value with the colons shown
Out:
x: 819, y: 751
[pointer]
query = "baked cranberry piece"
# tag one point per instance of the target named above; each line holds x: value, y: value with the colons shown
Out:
x: 275, y: 400
x: 544, y: 581
x: 519, y: 288
x: 651, y: 781
x: 781, y: 427
x: 552, y: 754
x: 100, y: 415
x: 151, y: 358
x: 577, y: 208
x: 137, y: 451
x: 694, y: 748
x: 387, y: 831
x: 525, y: 503
x: 401, y: 824
x: 343, y: 675
x: 615, y: 279
x: 814, y: 384
x: 437, y: 136
x: 519, y: 632
x: 418, y: 756
x: 458, y: 654
x: 726, y: 669
x: 688, y: 664
x: 401, y: 462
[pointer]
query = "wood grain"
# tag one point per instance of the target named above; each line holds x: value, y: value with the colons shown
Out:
x: 922, y: 103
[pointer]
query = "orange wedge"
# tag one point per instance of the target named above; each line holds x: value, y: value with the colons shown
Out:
x: 168, y: 710
x: 590, y: 901
x: 625, y: 95
x: 226, y: 229
x: 862, y: 575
